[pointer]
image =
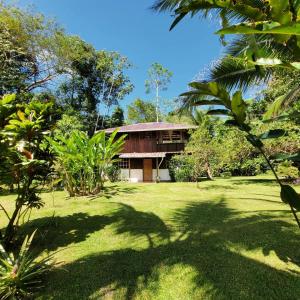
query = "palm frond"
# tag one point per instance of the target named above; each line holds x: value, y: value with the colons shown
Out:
x: 234, y: 72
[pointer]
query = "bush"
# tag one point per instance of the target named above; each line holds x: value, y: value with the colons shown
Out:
x: 113, y: 173
x: 181, y: 168
x: 287, y: 170
x: 21, y: 275
x: 249, y: 167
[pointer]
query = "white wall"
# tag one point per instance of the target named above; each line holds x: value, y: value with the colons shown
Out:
x: 136, y: 175
x: 162, y: 173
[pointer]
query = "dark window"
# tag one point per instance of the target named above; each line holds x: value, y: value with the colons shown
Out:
x: 124, y: 163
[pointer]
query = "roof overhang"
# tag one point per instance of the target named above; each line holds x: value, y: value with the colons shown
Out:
x: 143, y: 155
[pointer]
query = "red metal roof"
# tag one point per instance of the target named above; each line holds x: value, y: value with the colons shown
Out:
x: 153, y: 126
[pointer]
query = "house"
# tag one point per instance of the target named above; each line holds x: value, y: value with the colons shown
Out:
x: 148, y: 148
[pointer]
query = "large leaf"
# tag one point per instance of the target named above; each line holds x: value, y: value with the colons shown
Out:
x: 272, y: 134
x: 222, y: 112
x: 289, y: 195
x: 239, y: 106
x: 262, y: 28
x: 280, y: 11
x: 291, y: 157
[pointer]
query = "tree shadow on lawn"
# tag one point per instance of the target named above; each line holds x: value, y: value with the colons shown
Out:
x: 208, y: 232
x: 60, y: 231
x: 254, y: 180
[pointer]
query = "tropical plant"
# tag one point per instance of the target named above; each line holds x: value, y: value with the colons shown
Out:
x: 26, y: 164
x: 267, y: 42
x: 235, y: 108
x: 22, y: 275
x: 82, y: 162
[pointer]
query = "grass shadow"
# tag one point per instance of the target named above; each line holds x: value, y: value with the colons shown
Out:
x: 56, y: 231
x: 254, y: 181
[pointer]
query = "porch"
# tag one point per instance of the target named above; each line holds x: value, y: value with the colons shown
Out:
x: 144, y: 167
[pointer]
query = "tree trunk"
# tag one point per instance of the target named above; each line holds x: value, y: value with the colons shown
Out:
x: 208, y: 171
x: 10, y: 230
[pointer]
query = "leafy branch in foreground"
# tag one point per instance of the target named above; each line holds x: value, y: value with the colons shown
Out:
x: 235, y: 108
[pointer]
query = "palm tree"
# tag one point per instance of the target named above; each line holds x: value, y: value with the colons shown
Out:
x: 268, y: 38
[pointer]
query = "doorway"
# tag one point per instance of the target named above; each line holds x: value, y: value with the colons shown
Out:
x: 147, y: 170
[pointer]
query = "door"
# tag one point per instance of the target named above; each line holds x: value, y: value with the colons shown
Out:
x: 147, y: 173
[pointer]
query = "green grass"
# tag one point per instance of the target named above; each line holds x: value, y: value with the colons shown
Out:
x: 227, y: 239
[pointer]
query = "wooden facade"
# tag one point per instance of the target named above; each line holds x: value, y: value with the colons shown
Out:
x: 148, y: 148
x: 155, y: 141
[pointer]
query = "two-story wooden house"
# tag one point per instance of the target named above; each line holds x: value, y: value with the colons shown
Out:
x: 148, y: 148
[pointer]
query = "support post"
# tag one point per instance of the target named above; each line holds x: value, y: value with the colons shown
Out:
x: 129, y: 172
x: 157, y: 176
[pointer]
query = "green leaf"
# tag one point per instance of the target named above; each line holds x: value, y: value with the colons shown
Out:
x: 280, y: 11
x: 296, y: 65
x: 291, y: 157
x: 238, y: 107
x: 222, y: 112
x: 273, y: 133
x: 177, y: 20
x: 289, y: 195
x: 262, y: 28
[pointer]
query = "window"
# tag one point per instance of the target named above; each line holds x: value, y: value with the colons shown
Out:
x: 124, y: 163
x: 171, y: 137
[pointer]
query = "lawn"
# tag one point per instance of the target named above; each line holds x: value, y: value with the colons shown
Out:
x: 226, y: 239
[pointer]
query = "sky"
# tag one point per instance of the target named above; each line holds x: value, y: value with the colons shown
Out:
x: 134, y: 30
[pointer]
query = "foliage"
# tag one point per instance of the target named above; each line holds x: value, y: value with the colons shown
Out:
x: 31, y: 52
x: 117, y: 117
x: 287, y: 170
x: 96, y: 78
x: 27, y: 162
x: 266, y: 42
x: 113, y: 173
x: 21, y: 275
x: 141, y: 111
x: 235, y: 108
x: 180, y: 168
x: 67, y: 124
x: 159, y: 78
x: 205, y: 150
x: 83, y: 161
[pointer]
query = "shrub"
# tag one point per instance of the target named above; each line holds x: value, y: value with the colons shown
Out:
x: 113, y: 173
x: 287, y: 170
x: 181, y: 168
x: 21, y: 275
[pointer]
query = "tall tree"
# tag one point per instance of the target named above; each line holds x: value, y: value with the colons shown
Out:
x: 159, y: 78
x: 97, y: 78
x: 141, y: 111
x: 32, y: 50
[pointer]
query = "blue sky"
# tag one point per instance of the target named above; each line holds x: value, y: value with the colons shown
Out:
x: 142, y: 35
